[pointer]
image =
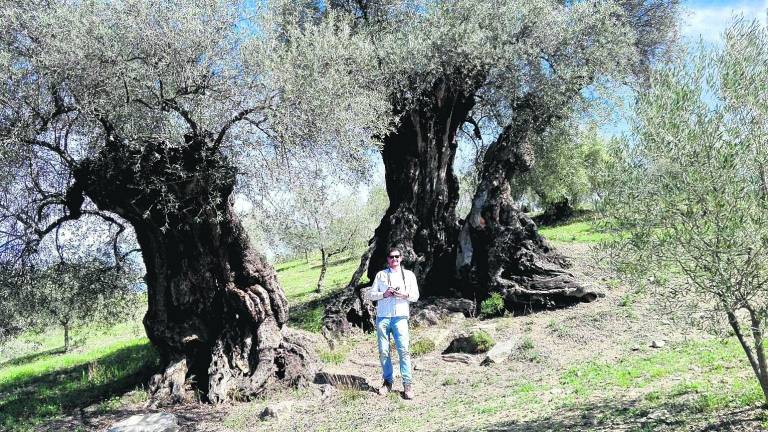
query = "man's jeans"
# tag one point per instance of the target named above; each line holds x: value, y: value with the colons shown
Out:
x: 398, y: 327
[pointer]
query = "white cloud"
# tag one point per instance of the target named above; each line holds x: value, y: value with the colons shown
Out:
x: 709, y: 21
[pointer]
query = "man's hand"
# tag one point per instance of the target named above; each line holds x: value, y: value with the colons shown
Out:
x: 389, y: 293
x: 400, y: 295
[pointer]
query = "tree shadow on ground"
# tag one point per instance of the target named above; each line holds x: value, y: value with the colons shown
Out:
x: 631, y: 415
x: 334, y: 262
x: 578, y: 215
x: 303, y: 315
x: 189, y: 416
x: 31, y: 357
x: 35, y: 398
x: 281, y: 267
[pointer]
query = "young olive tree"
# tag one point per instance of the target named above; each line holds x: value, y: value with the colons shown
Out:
x: 569, y: 163
x: 71, y: 295
x: 71, y: 284
x: 143, y: 114
x: 320, y: 213
x: 689, y: 194
x: 510, y: 69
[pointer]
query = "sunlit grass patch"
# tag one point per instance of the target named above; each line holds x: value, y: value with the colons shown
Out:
x: 299, y: 277
x: 704, y: 371
x: 50, y: 385
x: 299, y: 281
x: 576, y: 232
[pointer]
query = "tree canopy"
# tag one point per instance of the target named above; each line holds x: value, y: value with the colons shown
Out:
x: 689, y: 196
x: 259, y: 85
x: 508, y: 71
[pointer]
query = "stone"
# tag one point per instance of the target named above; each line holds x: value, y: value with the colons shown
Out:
x: 424, y: 318
x: 499, y: 353
x: 448, y: 305
x: 657, y: 343
x: 456, y: 317
x: 636, y: 348
x: 323, y: 390
x: 268, y: 413
x: 275, y: 411
x: 458, y: 357
x: 590, y: 419
x: 150, y: 422
x: 342, y: 381
x: 474, y: 343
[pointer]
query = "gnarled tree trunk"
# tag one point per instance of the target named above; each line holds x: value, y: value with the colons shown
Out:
x: 216, y: 310
x: 499, y: 247
x: 557, y: 211
x: 350, y: 309
x: 423, y: 190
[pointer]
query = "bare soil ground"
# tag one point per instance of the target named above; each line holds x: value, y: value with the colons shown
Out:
x: 533, y: 391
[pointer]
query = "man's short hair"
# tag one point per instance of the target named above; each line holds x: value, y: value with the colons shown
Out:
x: 392, y: 249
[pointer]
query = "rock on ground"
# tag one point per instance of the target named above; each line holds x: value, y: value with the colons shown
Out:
x: 154, y: 422
x: 499, y: 353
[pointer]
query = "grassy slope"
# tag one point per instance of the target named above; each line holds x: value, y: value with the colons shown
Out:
x: 39, y: 382
x: 35, y: 387
x: 576, y: 232
x: 299, y: 280
x: 704, y: 376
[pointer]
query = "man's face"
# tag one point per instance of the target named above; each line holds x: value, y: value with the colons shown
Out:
x: 393, y: 259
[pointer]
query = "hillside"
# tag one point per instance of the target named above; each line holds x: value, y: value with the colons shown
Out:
x: 588, y: 367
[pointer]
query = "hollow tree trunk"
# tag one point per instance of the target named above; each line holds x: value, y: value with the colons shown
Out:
x: 499, y: 247
x: 423, y: 190
x: 216, y: 310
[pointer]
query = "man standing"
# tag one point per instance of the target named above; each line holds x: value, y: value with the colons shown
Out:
x: 394, y: 288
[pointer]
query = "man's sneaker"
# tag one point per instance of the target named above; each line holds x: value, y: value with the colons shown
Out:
x: 385, y: 388
x: 407, y: 391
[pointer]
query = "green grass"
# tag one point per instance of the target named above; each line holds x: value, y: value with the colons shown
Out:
x: 482, y: 341
x: 714, y: 387
x: 493, y: 306
x: 576, y: 232
x: 299, y: 281
x: 51, y: 384
x: 299, y: 277
x: 422, y: 346
x: 38, y: 382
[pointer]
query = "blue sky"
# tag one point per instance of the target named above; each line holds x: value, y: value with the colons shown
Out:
x: 702, y: 20
x: 708, y: 18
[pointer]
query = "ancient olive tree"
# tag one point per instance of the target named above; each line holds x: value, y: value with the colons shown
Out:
x: 508, y: 70
x: 143, y: 113
x: 690, y: 194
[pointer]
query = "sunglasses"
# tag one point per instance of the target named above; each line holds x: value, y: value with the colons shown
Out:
x: 393, y: 256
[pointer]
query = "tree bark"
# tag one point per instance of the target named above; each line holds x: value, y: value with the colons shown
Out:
x: 66, y: 337
x: 423, y: 190
x: 757, y: 339
x: 350, y: 309
x: 216, y: 310
x: 500, y: 249
x: 497, y: 248
x: 323, y: 269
